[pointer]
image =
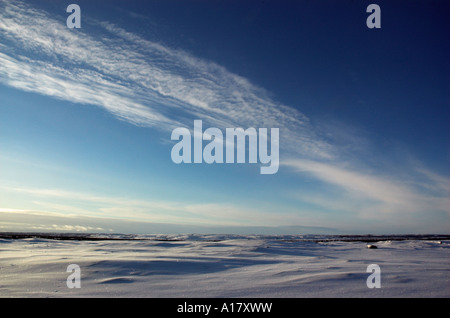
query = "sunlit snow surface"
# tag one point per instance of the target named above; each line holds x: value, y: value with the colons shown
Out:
x: 223, y: 265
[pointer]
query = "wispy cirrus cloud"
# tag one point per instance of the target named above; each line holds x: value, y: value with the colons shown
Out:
x: 142, y: 82
x: 63, y: 204
x: 375, y: 196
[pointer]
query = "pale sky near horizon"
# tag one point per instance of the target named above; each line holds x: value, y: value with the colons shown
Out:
x: 86, y: 115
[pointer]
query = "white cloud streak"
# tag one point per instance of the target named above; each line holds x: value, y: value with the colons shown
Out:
x: 374, y: 195
x: 140, y: 81
x: 68, y: 204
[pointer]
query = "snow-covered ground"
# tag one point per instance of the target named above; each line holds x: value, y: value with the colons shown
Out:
x: 223, y: 266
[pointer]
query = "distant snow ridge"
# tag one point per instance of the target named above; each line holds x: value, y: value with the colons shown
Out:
x: 223, y: 237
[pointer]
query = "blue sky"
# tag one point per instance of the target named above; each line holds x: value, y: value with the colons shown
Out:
x: 86, y: 116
